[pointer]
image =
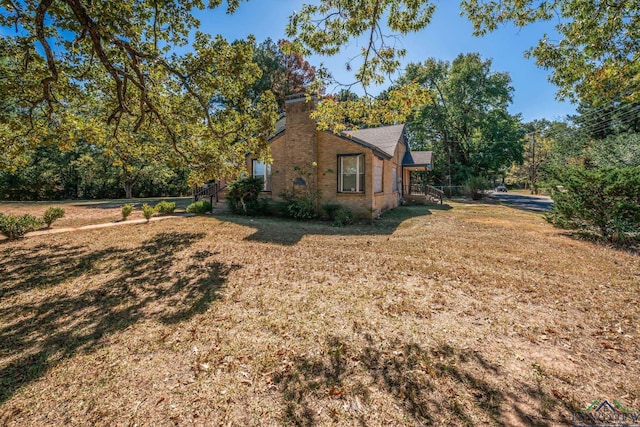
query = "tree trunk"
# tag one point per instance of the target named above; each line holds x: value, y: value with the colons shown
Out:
x: 128, y: 189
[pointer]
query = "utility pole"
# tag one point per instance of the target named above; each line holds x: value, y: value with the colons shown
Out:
x: 533, y: 177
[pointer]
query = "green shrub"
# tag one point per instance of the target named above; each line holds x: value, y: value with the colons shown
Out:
x: 300, y: 209
x: 126, y: 211
x: 52, y: 214
x: 148, y: 211
x: 16, y: 226
x: 605, y: 200
x: 244, y: 197
x: 476, y: 186
x: 342, y: 217
x: 165, y: 207
x: 330, y: 210
x: 200, y: 207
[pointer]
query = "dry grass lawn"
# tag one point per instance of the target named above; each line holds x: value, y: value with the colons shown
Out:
x: 471, y: 314
x: 81, y: 213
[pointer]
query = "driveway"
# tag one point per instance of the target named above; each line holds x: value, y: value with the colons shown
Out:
x: 524, y: 201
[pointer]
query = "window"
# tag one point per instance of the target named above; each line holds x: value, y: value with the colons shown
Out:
x: 351, y: 176
x: 378, y: 165
x: 394, y: 179
x: 262, y: 171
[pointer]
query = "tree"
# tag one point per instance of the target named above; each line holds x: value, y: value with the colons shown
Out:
x: 597, y: 57
x: 326, y: 27
x: 284, y: 71
x: 538, y: 146
x: 610, y: 118
x: 63, y: 48
x: 466, y: 120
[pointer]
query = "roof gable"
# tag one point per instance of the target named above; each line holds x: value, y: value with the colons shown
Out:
x: 385, y: 138
x: 418, y: 158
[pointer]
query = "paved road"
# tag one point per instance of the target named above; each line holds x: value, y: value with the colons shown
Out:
x: 524, y: 201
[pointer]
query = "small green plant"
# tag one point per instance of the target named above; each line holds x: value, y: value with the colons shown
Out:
x: 330, y: 210
x: 342, y: 217
x: 148, y: 211
x: 52, y: 214
x: 126, y: 211
x: 16, y: 226
x: 300, y: 209
x: 301, y: 206
x: 165, y: 207
x: 200, y: 207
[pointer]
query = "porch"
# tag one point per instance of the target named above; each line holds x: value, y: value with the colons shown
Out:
x: 416, y: 167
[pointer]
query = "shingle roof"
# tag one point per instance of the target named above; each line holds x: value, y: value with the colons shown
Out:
x: 384, y: 138
x: 417, y: 158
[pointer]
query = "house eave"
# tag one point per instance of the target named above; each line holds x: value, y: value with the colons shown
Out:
x: 378, y: 152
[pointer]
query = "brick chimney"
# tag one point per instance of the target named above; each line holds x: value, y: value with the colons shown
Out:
x: 301, y: 146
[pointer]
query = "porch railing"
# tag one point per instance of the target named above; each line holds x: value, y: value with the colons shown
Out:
x: 207, y: 191
x: 417, y: 189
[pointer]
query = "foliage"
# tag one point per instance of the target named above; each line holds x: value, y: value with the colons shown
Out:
x: 538, y: 149
x: 337, y: 115
x: 595, y: 57
x: 165, y: 207
x: 301, y: 206
x: 52, y: 214
x: 466, y: 120
x: 200, y: 207
x: 301, y: 209
x: 301, y: 201
x: 609, y: 118
x: 326, y: 27
x: 244, y: 197
x: 476, y: 187
x: 619, y: 151
x: 86, y: 171
x: 105, y: 71
x: 330, y: 209
x: 16, y: 226
x: 284, y: 72
x: 148, y: 211
x: 126, y: 211
x: 606, y: 200
x: 342, y: 217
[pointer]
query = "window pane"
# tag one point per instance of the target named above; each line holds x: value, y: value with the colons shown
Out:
x: 351, y: 173
x: 349, y: 182
x: 349, y: 164
x: 258, y: 168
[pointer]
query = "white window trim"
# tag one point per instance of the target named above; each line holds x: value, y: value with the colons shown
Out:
x: 359, y: 172
x: 266, y: 178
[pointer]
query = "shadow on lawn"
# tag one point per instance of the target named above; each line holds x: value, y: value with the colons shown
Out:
x: 289, y: 232
x: 431, y: 386
x: 117, y: 288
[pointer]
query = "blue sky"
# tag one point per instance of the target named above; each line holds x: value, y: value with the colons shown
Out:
x: 448, y: 35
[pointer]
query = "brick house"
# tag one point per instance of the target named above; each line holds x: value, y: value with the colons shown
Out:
x: 362, y: 170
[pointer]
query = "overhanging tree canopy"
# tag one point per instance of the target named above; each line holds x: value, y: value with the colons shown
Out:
x: 598, y: 55
x: 63, y: 51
